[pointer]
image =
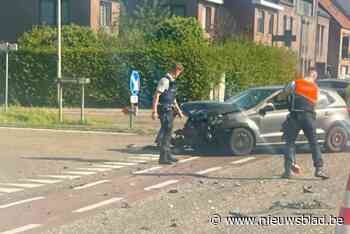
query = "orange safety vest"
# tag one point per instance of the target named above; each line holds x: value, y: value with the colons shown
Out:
x: 307, y: 89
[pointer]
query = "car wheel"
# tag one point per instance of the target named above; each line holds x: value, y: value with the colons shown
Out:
x: 242, y: 141
x: 336, y: 139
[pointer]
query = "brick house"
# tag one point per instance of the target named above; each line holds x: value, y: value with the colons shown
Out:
x: 24, y: 14
x: 276, y: 22
x: 206, y: 11
x: 339, y: 38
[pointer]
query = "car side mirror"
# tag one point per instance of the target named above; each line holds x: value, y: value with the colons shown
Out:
x: 268, y: 107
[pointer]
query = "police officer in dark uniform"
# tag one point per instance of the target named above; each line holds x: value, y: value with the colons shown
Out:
x: 165, y: 108
x: 302, y: 96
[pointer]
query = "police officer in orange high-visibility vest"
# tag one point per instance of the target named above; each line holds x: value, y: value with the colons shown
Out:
x: 302, y: 96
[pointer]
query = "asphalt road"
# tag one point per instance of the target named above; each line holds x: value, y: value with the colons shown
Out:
x: 73, y: 182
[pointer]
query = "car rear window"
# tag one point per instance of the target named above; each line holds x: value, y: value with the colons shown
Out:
x: 325, y: 100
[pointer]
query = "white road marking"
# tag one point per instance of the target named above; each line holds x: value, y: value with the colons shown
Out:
x: 108, y: 166
x: 97, y: 205
x: 68, y: 131
x: 121, y: 163
x: 80, y: 172
x: 149, y: 155
x: 161, y: 185
x: 91, y: 184
x: 188, y: 159
x: 138, y: 161
x: 243, y: 160
x: 22, y: 229
x: 43, y: 181
x: 9, y: 190
x: 95, y: 169
x: 147, y: 170
x: 206, y: 171
x: 22, y: 185
x: 70, y: 177
x: 144, y: 158
x: 21, y: 202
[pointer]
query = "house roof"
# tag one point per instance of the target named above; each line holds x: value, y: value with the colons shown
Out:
x: 336, y: 12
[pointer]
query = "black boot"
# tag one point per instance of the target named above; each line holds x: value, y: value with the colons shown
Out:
x: 287, y: 168
x: 171, y: 158
x: 163, y: 158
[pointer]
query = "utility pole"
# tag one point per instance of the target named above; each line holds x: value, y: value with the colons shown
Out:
x: 317, y: 39
x: 59, y: 60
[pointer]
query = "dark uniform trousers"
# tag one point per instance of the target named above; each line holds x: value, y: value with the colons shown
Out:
x: 166, y: 115
x: 305, y: 121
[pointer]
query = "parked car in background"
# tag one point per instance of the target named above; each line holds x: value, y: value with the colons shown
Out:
x: 337, y: 84
x: 254, y: 118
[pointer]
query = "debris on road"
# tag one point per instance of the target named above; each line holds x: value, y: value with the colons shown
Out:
x: 173, y: 191
x: 307, y: 189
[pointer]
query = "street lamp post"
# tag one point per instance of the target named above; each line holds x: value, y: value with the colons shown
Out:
x: 59, y: 60
x: 316, y: 31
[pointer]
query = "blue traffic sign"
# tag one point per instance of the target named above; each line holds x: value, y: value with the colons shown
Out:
x: 135, y: 82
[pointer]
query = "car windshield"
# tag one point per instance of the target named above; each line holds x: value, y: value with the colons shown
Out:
x: 250, y: 98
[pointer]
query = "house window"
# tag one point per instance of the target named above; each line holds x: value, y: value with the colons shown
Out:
x: 178, y: 10
x: 320, y: 39
x: 208, y: 18
x: 48, y: 12
x: 288, y: 23
x: 105, y: 13
x: 305, y: 7
x: 271, y: 23
x: 261, y: 21
x: 345, y: 48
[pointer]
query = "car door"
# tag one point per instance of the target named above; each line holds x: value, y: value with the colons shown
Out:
x: 271, y: 122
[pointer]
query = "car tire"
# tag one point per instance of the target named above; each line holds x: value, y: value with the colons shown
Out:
x: 336, y: 139
x: 242, y: 141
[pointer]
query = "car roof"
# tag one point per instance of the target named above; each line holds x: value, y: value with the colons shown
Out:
x: 271, y: 87
x: 333, y: 80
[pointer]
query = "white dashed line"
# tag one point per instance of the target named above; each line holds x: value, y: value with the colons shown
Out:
x: 242, y: 160
x: 121, y: 163
x: 43, y: 181
x: 144, y: 158
x: 161, y: 185
x: 21, y: 202
x: 108, y: 166
x: 91, y: 184
x: 208, y: 170
x: 22, y: 185
x: 148, y: 155
x: 21, y: 229
x: 138, y: 161
x: 188, y: 160
x: 97, y: 205
x: 80, y: 172
x: 69, y: 177
x: 9, y: 190
x: 147, y: 170
x: 95, y: 169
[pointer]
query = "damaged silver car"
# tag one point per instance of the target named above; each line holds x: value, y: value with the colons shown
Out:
x: 254, y: 118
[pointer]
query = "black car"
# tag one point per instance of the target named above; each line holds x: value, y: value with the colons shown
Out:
x: 339, y: 85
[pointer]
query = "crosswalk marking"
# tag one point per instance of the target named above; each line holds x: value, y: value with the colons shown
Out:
x: 188, y: 159
x: 22, y: 185
x: 121, y: 163
x: 22, y: 229
x: 21, y: 202
x: 9, y: 190
x: 69, y: 177
x: 97, y: 205
x: 147, y: 170
x: 91, y: 184
x: 161, y: 185
x: 95, y: 169
x: 43, y: 181
x: 108, y: 166
x: 80, y: 172
x: 208, y: 170
x: 243, y: 160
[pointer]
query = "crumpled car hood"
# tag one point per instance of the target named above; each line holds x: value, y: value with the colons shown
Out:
x: 210, y: 107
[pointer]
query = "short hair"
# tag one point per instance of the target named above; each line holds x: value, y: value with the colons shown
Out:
x: 312, y: 69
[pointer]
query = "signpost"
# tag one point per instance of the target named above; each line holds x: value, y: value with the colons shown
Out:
x: 135, y: 87
x: 7, y: 47
x: 82, y: 82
